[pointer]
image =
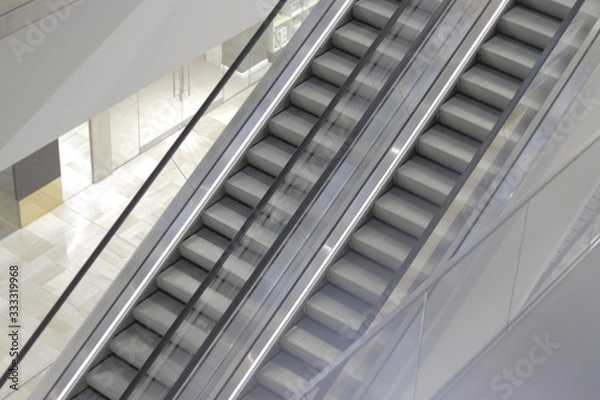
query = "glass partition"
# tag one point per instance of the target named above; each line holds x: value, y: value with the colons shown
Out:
x: 468, y: 301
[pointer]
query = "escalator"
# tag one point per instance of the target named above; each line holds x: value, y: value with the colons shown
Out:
x: 335, y: 314
x: 152, y: 317
x: 340, y: 309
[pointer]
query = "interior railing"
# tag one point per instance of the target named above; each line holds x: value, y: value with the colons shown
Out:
x: 303, y: 177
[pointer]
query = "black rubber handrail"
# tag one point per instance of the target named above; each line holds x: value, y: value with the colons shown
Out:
x: 323, y: 179
x: 146, y: 185
x: 344, y: 358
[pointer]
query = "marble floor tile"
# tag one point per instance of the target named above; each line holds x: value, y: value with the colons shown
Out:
x: 51, y: 250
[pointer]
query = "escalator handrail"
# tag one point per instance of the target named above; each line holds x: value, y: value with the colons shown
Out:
x: 144, y: 188
x: 441, y: 272
x: 320, y: 184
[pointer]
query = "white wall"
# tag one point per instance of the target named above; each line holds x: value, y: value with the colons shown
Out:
x: 552, y: 353
x: 62, y: 70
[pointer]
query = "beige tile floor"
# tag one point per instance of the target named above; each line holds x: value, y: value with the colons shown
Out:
x: 51, y: 250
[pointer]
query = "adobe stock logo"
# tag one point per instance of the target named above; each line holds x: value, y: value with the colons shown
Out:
x: 36, y: 33
x: 510, y: 379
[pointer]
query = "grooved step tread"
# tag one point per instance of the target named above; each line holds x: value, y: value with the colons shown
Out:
x: 285, y: 375
x: 135, y: 344
x: 356, y: 38
x: 528, y: 26
x: 271, y: 155
x: 313, y: 343
x: 159, y: 311
x: 383, y: 244
x: 293, y: 125
x: 111, y: 384
x: 338, y: 310
x: 489, y: 86
x: 448, y: 147
x: 509, y: 56
x: 182, y: 279
x: 250, y: 185
x: 405, y: 211
x: 469, y: 116
x: 205, y: 247
x: 360, y: 277
x: 426, y: 179
x: 227, y: 216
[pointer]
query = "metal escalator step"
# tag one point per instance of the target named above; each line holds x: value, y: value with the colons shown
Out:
x: 468, y: 116
x: 356, y: 38
x: 375, y: 12
x: 285, y: 375
x: 429, y: 5
x: 259, y: 392
x: 183, y: 278
x: 227, y: 216
x: 378, y: 12
x: 447, y: 147
x: 206, y: 246
x: 426, y: 179
x: 555, y: 8
x: 360, y: 276
x: 313, y: 343
x: 314, y: 96
x: 382, y: 243
x: 159, y: 311
x: 135, y: 344
x: 112, y: 377
x: 293, y: 125
x: 250, y: 185
x: 489, y: 86
x: 335, y: 66
x: 338, y: 310
x: 89, y: 394
x: 404, y: 211
x: 509, y: 56
x: 271, y: 155
x: 528, y: 26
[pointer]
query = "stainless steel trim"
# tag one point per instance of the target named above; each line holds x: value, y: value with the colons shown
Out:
x: 207, y: 178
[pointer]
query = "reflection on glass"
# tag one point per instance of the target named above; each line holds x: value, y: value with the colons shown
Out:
x: 124, y: 131
x: 75, y: 160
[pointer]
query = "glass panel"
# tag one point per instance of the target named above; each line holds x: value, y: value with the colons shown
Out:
x: 382, y: 367
x: 124, y: 131
x: 160, y: 107
x: 474, y: 299
x: 204, y: 73
x: 229, y: 51
x: 75, y: 160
